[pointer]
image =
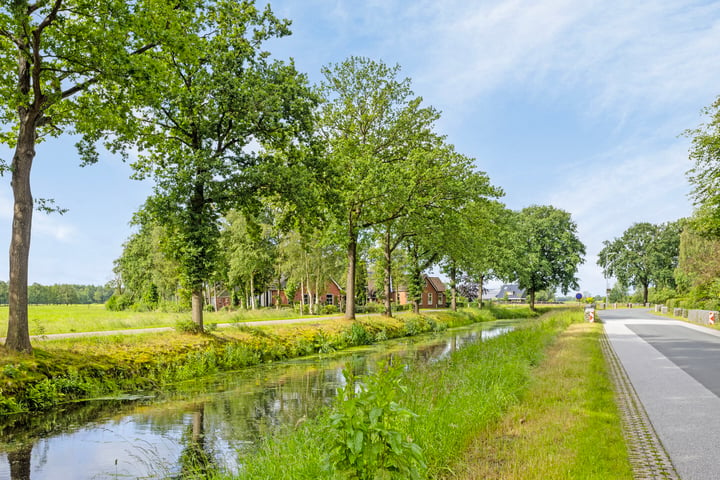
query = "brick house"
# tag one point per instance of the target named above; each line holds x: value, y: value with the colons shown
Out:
x: 330, y: 295
x: 434, y: 294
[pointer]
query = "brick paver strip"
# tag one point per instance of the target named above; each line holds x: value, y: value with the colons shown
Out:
x: 647, y: 455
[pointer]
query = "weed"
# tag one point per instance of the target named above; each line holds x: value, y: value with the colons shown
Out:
x: 358, y: 335
x: 381, y: 335
x: 323, y: 343
x: 188, y: 326
x: 11, y: 371
x: 43, y: 395
x: 368, y: 433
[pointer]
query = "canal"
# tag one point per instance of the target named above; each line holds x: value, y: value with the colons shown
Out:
x: 215, y: 418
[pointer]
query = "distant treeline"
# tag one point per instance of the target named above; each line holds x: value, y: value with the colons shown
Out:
x: 61, y: 294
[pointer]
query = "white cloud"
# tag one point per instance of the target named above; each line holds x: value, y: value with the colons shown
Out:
x: 639, y: 184
x: 53, y: 225
x: 621, y: 55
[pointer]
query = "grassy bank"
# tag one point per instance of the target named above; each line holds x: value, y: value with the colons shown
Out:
x: 535, y: 403
x: 566, y: 426
x: 453, y: 401
x: 79, y: 368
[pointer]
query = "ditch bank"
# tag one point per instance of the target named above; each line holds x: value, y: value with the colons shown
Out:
x: 76, y: 369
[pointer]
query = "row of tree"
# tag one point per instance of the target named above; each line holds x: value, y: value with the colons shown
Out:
x: 247, y: 157
x: 61, y: 294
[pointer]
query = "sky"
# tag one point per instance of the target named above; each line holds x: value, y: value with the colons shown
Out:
x: 579, y: 104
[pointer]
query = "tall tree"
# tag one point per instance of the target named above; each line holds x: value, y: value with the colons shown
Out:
x: 221, y: 125
x: 644, y: 254
x: 53, y: 55
x: 698, y: 262
x: 548, y: 250
x: 705, y: 175
x: 371, y: 122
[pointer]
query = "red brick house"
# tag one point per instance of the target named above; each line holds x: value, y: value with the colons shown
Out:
x: 434, y: 294
x: 330, y: 295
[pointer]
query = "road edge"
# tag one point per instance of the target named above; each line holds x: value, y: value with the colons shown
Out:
x: 647, y: 455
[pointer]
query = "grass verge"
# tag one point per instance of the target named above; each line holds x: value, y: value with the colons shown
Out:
x: 566, y: 427
x: 465, y: 397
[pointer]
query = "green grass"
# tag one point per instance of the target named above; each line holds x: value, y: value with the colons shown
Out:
x: 48, y: 319
x: 468, y: 395
x: 566, y: 427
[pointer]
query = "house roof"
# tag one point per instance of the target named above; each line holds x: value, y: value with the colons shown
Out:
x: 513, y: 291
x: 437, y: 284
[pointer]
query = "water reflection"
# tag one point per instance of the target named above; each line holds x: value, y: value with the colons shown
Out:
x: 201, y: 425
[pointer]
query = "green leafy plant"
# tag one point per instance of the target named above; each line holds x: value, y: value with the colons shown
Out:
x: 188, y: 326
x: 367, y: 435
x: 358, y: 335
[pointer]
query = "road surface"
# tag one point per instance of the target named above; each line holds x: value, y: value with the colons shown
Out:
x: 674, y: 367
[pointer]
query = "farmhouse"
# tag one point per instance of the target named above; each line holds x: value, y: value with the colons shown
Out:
x: 433, y: 294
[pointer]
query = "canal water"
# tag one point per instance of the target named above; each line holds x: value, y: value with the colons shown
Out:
x: 209, y: 421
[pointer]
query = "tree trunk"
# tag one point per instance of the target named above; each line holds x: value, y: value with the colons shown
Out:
x: 453, y: 289
x: 388, y: 274
x: 532, y: 299
x: 645, y: 293
x: 311, y: 309
x: 197, y: 307
x: 18, y: 334
x: 252, y: 291
x: 319, y: 301
x: 20, y: 465
x: 279, y: 294
x: 302, y: 297
x: 350, y: 287
x: 480, y: 291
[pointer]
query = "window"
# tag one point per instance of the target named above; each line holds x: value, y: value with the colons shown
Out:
x: 430, y: 302
x: 329, y: 299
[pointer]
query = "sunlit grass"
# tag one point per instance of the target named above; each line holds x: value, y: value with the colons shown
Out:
x: 566, y: 427
x: 48, y: 319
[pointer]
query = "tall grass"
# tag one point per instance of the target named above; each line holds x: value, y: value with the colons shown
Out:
x: 454, y: 400
x: 566, y: 427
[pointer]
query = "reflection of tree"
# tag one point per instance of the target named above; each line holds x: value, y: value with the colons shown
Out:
x: 20, y: 463
x: 196, y: 459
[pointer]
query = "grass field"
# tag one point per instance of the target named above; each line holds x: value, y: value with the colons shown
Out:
x: 47, y: 319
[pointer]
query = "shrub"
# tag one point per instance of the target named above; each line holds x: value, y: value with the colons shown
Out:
x: 171, y: 307
x: 330, y: 309
x: 412, y: 327
x: 43, y: 395
x: 323, y: 343
x: 368, y: 433
x: 118, y: 302
x: 374, y: 307
x: 187, y: 326
x: 358, y: 335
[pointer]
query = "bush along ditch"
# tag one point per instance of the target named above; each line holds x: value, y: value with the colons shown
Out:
x: 411, y: 423
x: 82, y: 368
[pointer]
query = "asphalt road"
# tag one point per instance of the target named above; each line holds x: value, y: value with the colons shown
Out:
x: 675, y: 369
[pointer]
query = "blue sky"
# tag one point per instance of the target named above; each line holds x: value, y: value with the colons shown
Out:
x: 577, y: 104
